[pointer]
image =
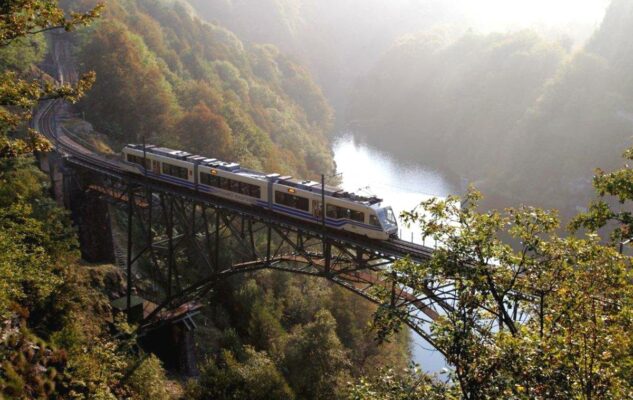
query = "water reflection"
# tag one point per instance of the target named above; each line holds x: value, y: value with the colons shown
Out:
x: 402, y: 186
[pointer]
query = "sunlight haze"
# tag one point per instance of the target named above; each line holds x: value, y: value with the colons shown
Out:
x: 316, y: 199
x: 506, y: 12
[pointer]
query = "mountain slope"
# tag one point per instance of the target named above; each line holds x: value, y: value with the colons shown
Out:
x: 453, y: 102
x: 523, y: 118
x: 171, y: 78
x: 583, y: 119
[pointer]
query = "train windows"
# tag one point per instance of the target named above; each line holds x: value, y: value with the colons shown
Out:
x: 255, y: 191
x: 291, y: 200
x: 250, y: 190
x: 373, y: 220
x: 208, y: 179
x: 357, y: 216
x: 245, y: 188
x: 225, y: 183
x: 234, y: 186
x: 344, y: 213
x: 174, y: 170
x: 387, y: 217
x: 337, y: 212
x: 139, y: 160
x: 332, y: 211
x: 302, y: 203
x: 390, y: 217
x: 229, y: 184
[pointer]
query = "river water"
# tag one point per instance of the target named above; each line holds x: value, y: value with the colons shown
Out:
x: 403, y: 186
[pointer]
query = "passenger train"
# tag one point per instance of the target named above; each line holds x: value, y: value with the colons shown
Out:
x: 295, y: 198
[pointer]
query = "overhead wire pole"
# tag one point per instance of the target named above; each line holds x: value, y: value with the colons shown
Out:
x: 326, y: 247
x: 144, y: 157
x: 129, y: 253
x: 323, y: 205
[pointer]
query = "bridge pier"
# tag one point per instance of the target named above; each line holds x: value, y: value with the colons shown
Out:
x: 95, y: 234
x: 174, y: 344
x: 171, y: 338
x: 52, y: 164
x: 91, y: 215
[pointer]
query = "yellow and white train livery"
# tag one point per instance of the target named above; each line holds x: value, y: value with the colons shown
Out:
x: 301, y: 199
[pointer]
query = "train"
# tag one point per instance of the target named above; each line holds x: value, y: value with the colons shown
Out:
x: 285, y: 195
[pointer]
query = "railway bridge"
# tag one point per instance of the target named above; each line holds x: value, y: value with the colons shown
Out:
x: 177, y: 244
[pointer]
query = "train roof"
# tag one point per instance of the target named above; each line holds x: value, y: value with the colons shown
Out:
x: 307, y: 185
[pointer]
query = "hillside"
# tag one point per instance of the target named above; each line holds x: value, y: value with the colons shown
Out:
x: 583, y: 117
x: 175, y: 80
x: 454, y: 102
x: 337, y: 40
x: 524, y: 118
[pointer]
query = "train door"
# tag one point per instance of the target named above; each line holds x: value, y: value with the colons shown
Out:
x: 156, y: 167
x: 196, y: 175
x: 270, y: 194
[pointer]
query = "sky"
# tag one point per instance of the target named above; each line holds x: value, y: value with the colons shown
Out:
x: 527, y: 12
x: 575, y: 19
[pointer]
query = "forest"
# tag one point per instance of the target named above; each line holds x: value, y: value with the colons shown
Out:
x: 543, y: 300
x: 154, y: 58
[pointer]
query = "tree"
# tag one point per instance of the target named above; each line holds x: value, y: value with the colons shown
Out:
x: 601, y: 213
x: 35, y: 238
x: 131, y: 99
x: 409, y: 384
x: 546, y: 317
x: 315, y: 359
x: 19, y: 20
x: 205, y: 132
x: 255, y: 378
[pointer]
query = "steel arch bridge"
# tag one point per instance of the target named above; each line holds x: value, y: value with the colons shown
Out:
x: 181, y: 243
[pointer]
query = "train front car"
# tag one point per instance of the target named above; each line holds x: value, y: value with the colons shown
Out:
x: 388, y: 221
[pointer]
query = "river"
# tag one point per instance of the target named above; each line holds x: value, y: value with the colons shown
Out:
x: 403, y: 186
